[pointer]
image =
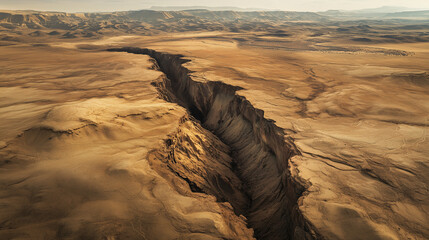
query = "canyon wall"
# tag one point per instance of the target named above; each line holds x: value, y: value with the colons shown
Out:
x: 259, y: 151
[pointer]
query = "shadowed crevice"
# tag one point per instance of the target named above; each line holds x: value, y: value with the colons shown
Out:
x: 261, y: 151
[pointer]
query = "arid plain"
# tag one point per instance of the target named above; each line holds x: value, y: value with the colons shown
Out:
x: 176, y: 125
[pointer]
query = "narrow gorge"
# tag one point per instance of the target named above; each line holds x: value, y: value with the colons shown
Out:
x: 249, y: 167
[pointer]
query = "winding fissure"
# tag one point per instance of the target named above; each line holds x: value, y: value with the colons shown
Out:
x: 260, y: 149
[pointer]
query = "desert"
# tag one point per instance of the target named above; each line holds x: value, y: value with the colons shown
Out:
x: 214, y: 124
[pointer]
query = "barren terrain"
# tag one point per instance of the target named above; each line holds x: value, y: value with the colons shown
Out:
x: 213, y: 125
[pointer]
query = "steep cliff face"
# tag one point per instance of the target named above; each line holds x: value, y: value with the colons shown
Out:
x: 200, y: 158
x: 259, y: 151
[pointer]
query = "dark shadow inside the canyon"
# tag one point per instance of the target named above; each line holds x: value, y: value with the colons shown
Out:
x: 259, y: 149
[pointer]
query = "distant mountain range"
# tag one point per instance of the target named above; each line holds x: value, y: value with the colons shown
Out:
x: 384, y: 9
x: 226, y: 8
x: 385, y: 12
x: 192, y: 19
x: 410, y: 14
x: 150, y: 21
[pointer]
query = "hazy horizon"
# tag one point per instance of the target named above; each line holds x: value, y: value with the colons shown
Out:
x: 288, y: 5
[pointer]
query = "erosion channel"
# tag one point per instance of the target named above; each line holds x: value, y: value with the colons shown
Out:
x: 249, y: 169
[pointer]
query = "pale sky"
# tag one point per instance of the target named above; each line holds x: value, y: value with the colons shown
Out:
x: 120, y: 5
